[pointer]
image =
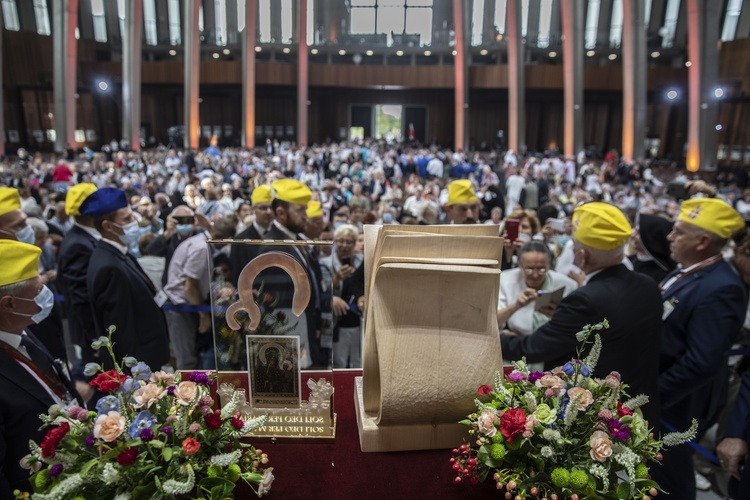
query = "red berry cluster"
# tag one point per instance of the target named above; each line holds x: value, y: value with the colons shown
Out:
x: 464, y: 462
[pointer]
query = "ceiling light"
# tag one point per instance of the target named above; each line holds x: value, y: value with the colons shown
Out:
x: 483, y: 52
x: 688, y: 64
x: 285, y: 50
x: 591, y: 53
x: 314, y: 51
x: 226, y: 52
x: 369, y: 52
x: 399, y: 53
x: 215, y: 55
x: 454, y: 52
x: 612, y: 57
x: 258, y: 49
x: 342, y: 52
x: 655, y: 54
x: 553, y: 54
x: 427, y: 53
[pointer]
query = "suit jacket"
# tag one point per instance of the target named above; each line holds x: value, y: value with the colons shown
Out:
x: 632, y: 305
x: 72, y: 269
x: 707, y: 312
x: 739, y: 427
x: 122, y: 296
x: 22, y: 400
x: 512, y: 284
x: 240, y: 255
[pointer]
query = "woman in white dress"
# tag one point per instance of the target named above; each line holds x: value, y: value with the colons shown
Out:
x: 520, y: 287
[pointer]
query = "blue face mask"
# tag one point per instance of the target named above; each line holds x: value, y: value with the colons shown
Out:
x: 387, y: 218
x: 562, y: 240
x: 337, y: 225
x: 45, y: 299
x: 184, y: 229
x: 131, y: 233
x: 25, y: 235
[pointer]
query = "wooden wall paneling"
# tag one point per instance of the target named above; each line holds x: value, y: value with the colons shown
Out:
x: 614, y: 136
x: 532, y: 125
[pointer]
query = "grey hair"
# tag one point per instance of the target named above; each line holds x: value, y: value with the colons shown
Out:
x: 535, y: 246
x: 346, y: 230
x: 13, y: 289
x: 38, y: 225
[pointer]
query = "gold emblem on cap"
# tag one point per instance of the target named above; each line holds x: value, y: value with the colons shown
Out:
x: 694, y: 213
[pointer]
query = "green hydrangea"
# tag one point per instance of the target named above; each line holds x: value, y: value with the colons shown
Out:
x: 641, y: 471
x: 233, y: 472
x: 214, y: 471
x: 497, y: 451
x: 42, y: 480
x: 544, y: 414
x: 497, y: 438
x: 578, y: 479
x: 560, y: 477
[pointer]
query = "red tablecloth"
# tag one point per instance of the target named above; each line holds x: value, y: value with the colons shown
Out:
x: 339, y: 470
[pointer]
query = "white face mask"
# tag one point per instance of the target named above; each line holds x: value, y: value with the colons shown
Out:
x: 25, y: 235
x: 131, y: 233
x: 45, y: 299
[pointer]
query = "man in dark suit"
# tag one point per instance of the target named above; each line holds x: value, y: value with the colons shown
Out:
x: 30, y: 380
x: 72, y: 266
x: 121, y: 292
x: 290, y: 209
x: 240, y: 255
x: 704, y: 305
x: 629, y: 301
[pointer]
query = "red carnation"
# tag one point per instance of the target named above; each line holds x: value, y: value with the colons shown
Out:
x: 237, y: 423
x: 213, y: 420
x: 52, y: 439
x: 108, y: 381
x: 512, y: 422
x: 484, y: 390
x: 623, y: 410
x: 128, y: 456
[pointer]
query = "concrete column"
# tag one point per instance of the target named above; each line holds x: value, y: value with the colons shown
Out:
x: 302, y: 76
x: 634, y: 71
x: 248, y: 74
x: 64, y: 49
x: 131, y: 74
x: 516, y: 78
x: 461, y: 77
x: 192, y: 43
x: 703, y: 32
x: 573, y: 31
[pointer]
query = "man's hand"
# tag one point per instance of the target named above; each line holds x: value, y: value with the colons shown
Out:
x: 85, y: 390
x: 170, y: 227
x: 204, y: 323
x: 695, y: 187
x: 339, y: 306
x: 731, y: 452
x: 203, y: 221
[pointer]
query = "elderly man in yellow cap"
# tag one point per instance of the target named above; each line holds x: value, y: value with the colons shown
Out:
x: 73, y: 262
x: 290, y: 202
x: 12, y: 220
x: 704, y: 304
x: 30, y: 380
x: 463, y: 204
x: 239, y: 255
x: 628, y: 300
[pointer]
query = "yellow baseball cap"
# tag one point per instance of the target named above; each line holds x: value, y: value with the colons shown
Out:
x: 314, y: 209
x: 713, y: 215
x: 20, y: 262
x: 600, y: 225
x: 291, y: 191
x: 261, y: 194
x: 461, y: 192
x: 76, y: 196
x: 10, y: 200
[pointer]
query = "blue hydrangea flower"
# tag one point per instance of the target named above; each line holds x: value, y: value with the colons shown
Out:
x: 144, y: 420
x: 128, y: 385
x: 107, y: 404
x: 141, y: 371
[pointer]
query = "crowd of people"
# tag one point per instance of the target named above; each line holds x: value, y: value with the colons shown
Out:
x: 119, y: 238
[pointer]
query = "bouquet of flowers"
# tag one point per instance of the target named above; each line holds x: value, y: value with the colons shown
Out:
x: 562, y: 434
x: 154, y: 435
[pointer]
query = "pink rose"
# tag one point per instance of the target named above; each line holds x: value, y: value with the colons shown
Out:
x: 109, y: 427
x: 187, y: 392
x: 163, y: 378
x: 486, y: 422
x: 601, y: 446
x: 531, y: 422
x: 585, y: 398
x: 553, y: 383
x: 148, y: 395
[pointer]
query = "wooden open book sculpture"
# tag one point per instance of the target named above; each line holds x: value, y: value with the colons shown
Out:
x: 431, y: 335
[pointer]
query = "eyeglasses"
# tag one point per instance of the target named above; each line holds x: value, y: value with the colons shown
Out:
x: 531, y: 270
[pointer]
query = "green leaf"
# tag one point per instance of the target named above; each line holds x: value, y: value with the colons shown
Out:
x: 167, y: 453
x: 623, y: 491
x: 144, y: 491
x: 88, y: 465
x: 156, y: 443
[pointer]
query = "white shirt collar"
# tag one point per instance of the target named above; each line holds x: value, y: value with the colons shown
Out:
x: 122, y: 248
x: 90, y: 230
x: 697, y: 264
x: 261, y: 230
x: 12, y: 339
x: 589, y: 276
